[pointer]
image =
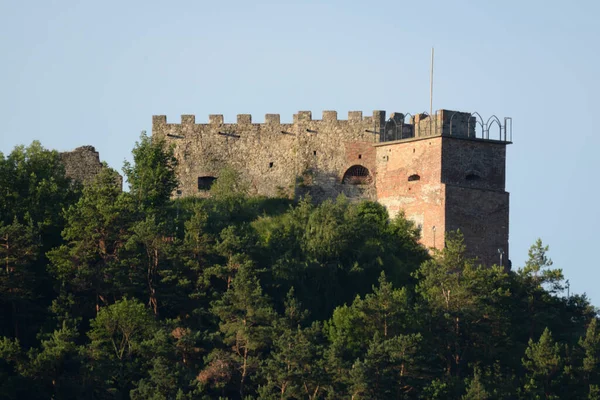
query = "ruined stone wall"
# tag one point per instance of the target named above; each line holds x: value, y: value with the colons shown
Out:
x: 82, y: 164
x: 305, y: 156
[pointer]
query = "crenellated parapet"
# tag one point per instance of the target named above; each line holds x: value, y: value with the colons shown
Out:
x: 377, y: 119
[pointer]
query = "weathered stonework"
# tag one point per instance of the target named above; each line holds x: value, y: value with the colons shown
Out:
x: 436, y: 169
x: 83, y: 164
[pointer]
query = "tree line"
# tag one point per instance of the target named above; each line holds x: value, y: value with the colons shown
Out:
x: 106, y: 294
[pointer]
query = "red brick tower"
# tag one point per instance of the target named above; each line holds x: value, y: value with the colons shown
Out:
x: 449, y: 174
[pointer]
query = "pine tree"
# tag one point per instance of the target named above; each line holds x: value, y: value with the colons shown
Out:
x: 18, y: 251
x: 88, y: 265
x: 246, y: 320
x: 591, y: 361
x: 118, y: 352
x: 475, y: 388
x: 543, y: 363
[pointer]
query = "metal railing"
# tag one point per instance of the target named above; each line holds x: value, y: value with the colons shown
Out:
x: 459, y: 124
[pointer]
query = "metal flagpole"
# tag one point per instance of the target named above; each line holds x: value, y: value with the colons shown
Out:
x: 431, y: 86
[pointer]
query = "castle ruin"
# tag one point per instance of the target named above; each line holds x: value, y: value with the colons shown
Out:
x: 445, y: 171
x: 83, y: 164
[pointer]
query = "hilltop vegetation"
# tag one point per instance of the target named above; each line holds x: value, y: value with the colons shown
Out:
x: 114, y: 295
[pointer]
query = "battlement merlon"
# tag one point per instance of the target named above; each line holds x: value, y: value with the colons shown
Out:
x: 329, y: 116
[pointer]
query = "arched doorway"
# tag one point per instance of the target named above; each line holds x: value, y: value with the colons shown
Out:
x: 357, y: 175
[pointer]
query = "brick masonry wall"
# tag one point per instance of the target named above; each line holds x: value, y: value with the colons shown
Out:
x: 482, y: 217
x: 444, y: 197
x: 422, y: 200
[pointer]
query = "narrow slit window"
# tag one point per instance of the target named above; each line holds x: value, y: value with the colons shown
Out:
x: 414, y: 177
x: 314, y: 153
x: 270, y: 165
x: 472, y: 177
x: 359, y: 156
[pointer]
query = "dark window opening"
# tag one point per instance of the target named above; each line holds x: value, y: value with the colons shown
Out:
x: 357, y: 175
x: 414, y: 177
x: 205, y: 182
x: 270, y: 165
x: 472, y: 177
x: 359, y: 156
x: 314, y: 153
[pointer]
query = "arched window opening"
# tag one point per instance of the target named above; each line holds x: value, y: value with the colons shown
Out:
x: 205, y: 182
x: 414, y: 177
x: 472, y: 177
x: 357, y: 175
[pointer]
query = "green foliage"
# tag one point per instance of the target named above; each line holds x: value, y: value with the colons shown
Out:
x: 34, y: 192
x: 543, y: 363
x: 13, y: 384
x: 467, y: 304
x: 34, y: 185
x: 120, y: 345
x: 229, y: 186
x: 96, y: 230
x: 475, y: 388
x: 19, y: 249
x: 56, y: 367
x: 536, y: 268
x: 152, y: 177
x: 105, y: 294
x: 246, y: 320
x: 386, y: 372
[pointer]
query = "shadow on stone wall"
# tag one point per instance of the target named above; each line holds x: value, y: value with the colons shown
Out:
x: 322, y: 185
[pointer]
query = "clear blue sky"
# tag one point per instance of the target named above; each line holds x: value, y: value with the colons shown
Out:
x: 76, y: 73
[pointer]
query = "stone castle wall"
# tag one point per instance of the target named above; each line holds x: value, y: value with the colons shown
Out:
x: 436, y: 168
x: 305, y: 156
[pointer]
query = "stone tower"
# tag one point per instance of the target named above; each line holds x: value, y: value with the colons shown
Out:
x: 445, y: 178
x: 445, y: 171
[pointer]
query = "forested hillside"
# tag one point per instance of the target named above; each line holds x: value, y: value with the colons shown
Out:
x: 107, y: 294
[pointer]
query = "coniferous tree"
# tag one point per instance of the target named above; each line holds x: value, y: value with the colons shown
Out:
x: 19, y: 249
x: 543, y: 363
x: 246, y: 321
x: 475, y: 388
x: 118, y: 351
x: 88, y: 265
x: 591, y: 361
